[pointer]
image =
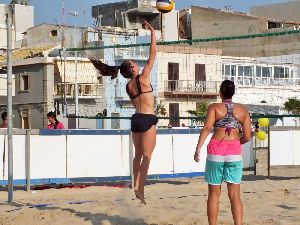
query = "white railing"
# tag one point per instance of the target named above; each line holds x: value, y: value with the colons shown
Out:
x: 267, y: 81
x: 191, y: 86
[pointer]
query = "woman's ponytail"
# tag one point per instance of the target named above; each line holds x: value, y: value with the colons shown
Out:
x: 105, y: 69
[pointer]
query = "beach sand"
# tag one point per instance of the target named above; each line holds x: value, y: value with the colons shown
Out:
x: 173, y: 201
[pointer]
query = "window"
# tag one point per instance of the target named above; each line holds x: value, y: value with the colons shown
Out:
x: 54, y: 33
x: 258, y: 71
x: 24, y: 82
x: 240, y: 71
x: 174, y: 112
x: 87, y: 89
x: 25, y: 122
x: 173, y: 76
x: 248, y: 71
x: 266, y: 71
x: 200, y: 74
x: 100, y: 80
x: 227, y: 69
x: 233, y: 70
x: 278, y: 72
x: 273, y: 25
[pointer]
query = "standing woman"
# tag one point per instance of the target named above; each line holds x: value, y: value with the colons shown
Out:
x: 143, y: 122
x: 224, y: 156
x: 53, y: 122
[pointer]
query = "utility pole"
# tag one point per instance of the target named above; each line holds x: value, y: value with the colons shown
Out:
x: 75, y: 14
x: 9, y: 101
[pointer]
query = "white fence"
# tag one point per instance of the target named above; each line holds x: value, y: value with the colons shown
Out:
x: 92, y: 155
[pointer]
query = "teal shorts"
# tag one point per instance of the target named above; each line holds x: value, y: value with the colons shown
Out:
x: 230, y: 172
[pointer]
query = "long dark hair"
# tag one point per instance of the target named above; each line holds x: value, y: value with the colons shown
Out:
x: 112, y: 71
x: 53, y: 115
x: 227, y: 89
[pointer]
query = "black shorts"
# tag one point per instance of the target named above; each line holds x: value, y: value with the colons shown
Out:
x: 142, y: 122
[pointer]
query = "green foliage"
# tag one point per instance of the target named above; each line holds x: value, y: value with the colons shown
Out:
x: 160, y: 109
x: 292, y: 105
x: 200, y: 111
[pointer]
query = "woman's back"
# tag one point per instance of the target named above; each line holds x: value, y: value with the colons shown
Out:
x: 239, y: 114
x: 141, y: 93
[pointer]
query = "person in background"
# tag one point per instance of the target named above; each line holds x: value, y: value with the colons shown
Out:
x: 4, y: 119
x: 53, y: 122
x: 224, y: 151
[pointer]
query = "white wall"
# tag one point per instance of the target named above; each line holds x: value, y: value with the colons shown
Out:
x: 187, y: 66
x: 170, y: 26
x: 24, y: 19
x: 285, y: 147
x: 3, y: 85
x: 96, y: 156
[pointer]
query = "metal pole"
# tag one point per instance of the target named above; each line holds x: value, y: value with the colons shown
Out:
x: 9, y: 103
x: 65, y: 97
x: 131, y: 156
x: 75, y: 14
x: 269, y: 154
x: 75, y: 80
x: 27, y: 159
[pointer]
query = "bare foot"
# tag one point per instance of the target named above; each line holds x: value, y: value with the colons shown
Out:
x: 140, y: 197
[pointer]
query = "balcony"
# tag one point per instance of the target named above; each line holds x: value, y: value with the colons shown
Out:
x: 85, y: 91
x: 282, y: 83
x: 190, y: 88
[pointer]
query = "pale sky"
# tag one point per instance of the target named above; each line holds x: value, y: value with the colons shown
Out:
x: 47, y: 10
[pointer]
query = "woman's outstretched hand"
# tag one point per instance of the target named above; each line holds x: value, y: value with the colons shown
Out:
x: 149, y: 26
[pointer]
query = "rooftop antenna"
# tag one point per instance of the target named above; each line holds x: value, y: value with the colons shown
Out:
x: 84, y: 21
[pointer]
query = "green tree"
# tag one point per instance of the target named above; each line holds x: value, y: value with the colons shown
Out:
x: 292, y: 105
x: 160, y: 109
x: 200, y: 111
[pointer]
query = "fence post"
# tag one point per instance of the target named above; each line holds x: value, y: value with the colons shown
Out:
x: 131, y: 159
x: 27, y: 159
x: 269, y: 154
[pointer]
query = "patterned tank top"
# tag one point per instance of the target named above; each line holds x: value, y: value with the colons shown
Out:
x: 228, y: 121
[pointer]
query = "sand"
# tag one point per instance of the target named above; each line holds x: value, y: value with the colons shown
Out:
x: 173, y: 201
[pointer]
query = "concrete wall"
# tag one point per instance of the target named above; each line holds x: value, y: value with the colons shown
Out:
x: 287, y: 11
x: 207, y: 22
x: 211, y: 23
x: 41, y: 36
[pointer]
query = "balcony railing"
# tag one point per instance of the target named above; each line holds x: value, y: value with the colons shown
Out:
x: 264, y: 81
x: 192, y: 87
x: 84, y: 90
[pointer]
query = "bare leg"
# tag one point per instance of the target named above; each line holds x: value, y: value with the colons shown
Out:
x: 236, y: 203
x: 148, y: 144
x: 214, y: 192
x: 137, y: 140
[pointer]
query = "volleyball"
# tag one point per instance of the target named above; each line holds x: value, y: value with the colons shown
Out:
x: 164, y: 6
x: 263, y: 122
x: 261, y: 135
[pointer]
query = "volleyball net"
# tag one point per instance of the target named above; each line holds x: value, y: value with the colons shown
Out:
x: 186, y: 77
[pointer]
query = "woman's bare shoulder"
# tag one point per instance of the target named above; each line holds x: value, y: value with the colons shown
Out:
x: 240, y: 107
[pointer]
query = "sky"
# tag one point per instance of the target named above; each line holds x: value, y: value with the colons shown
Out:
x: 47, y: 11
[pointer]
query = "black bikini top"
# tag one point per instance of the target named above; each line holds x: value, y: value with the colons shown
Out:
x: 137, y: 79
